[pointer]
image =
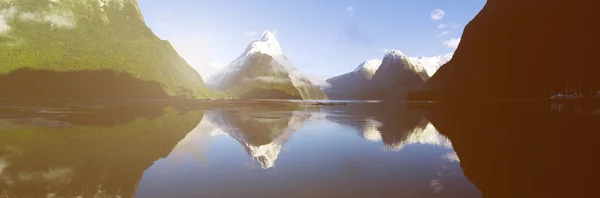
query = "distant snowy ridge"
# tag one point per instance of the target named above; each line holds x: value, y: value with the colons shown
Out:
x: 396, y: 73
x: 432, y: 64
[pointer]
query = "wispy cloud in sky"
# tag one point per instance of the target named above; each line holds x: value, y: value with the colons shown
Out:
x: 443, y: 33
x: 350, y: 10
x: 452, y: 43
x: 353, y: 33
x: 250, y: 34
x: 437, y: 14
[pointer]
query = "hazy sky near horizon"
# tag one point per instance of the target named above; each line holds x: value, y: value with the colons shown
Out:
x: 322, y: 38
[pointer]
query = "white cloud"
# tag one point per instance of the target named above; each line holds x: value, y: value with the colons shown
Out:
x: 217, y: 65
x: 5, y: 15
x: 436, y: 186
x: 350, y: 10
x: 4, y: 27
x: 437, y: 14
x: 60, y: 21
x: 28, y: 16
x: 451, y: 156
x: 385, y: 50
x: 456, y: 26
x: 63, y: 20
x: 318, y: 80
x: 443, y: 33
x: 271, y: 79
x: 250, y: 34
x: 452, y: 43
x: 442, y: 26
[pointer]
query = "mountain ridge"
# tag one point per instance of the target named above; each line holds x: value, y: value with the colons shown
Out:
x: 367, y: 81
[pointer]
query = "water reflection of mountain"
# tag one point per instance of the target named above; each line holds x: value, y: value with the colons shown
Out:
x: 261, y: 130
x: 73, y: 151
x: 509, y: 151
x: 396, y: 125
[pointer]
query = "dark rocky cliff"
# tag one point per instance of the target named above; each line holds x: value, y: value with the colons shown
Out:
x: 521, y: 49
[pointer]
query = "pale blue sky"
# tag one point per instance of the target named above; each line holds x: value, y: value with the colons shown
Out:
x: 321, y: 38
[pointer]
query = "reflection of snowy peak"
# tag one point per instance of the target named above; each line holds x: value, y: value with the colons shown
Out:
x: 262, y: 71
x: 371, y: 130
x: 423, y: 135
x: 262, y: 138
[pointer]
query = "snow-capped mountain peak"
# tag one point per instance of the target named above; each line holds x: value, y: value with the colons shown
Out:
x: 394, y: 54
x: 370, y: 66
x: 267, y: 36
x: 266, y: 44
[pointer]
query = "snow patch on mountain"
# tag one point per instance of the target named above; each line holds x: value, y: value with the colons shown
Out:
x: 266, y: 44
x: 432, y: 64
x: 369, y: 67
x: 393, y: 56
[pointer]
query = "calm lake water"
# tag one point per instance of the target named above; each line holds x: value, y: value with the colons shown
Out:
x: 246, y: 150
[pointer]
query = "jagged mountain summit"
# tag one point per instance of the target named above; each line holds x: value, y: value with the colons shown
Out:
x: 397, y: 75
x: 88, y: 48
x: 387, y: 79
x: 354, y: 84
x: 263, y: 72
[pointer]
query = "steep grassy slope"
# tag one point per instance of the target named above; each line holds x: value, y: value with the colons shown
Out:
x: 91, y: 35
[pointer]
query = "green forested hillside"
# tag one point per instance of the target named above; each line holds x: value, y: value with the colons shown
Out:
x: 84, y: 35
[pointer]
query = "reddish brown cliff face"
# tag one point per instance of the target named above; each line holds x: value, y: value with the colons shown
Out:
x: 522, y: 49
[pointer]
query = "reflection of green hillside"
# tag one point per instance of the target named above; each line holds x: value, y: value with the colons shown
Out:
x: 80, y: 35
x: 88, y: 160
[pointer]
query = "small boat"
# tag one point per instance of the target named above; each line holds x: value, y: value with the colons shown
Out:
x: 569, y: 94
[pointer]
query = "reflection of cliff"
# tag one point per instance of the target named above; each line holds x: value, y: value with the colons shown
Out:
x: 396, y: 125
x: 93, y: 159
x: 511, y: 152
x: 262, y: 130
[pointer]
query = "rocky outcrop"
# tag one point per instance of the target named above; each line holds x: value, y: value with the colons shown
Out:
x: 520, y: 49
